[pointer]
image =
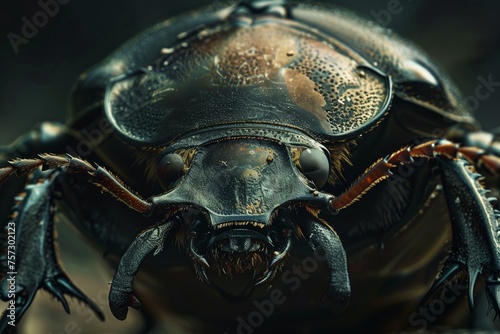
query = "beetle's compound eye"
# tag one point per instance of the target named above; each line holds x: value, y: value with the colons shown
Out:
x: 315, y: 164
x: 170, y: 169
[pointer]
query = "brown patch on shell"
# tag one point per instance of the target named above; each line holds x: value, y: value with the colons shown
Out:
x: 302, y: 91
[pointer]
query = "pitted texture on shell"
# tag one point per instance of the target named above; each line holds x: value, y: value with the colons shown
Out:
x: 351, y: 95
x: 252, y: 56
x: 389, y: 53
x: 263, y: 73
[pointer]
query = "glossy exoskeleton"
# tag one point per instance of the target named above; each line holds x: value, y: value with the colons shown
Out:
x: 252, y: 157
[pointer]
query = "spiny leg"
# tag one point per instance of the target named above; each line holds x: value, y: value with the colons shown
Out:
x: 475, y: 222
x: 99, y: 176
x: 382, y: 169
x: 36, y: 265
x: 488, y: 143
x: 476, y: 230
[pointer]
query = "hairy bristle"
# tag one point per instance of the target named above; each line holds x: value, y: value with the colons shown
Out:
x: 181, y: 237
x: 149, y: 159
x: 231, y: 264
x: 340, y: 157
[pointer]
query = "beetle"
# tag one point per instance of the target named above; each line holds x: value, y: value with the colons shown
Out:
x: 240, y: 136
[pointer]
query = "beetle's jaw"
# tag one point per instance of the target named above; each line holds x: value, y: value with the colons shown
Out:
x: 238, y: 249
x: 235, y: 256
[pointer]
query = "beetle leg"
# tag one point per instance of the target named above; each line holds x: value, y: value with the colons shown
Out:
x: 121, y: 295
x: 431, y: 149
x: 100, y: 176
x: 36, y: 265
x: 489, y: 142
x: 472, y: 213
x: 323, y: 238
x: 476, y: 230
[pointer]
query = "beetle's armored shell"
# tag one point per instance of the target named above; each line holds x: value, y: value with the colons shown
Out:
x: 332, y: 81
x: 290, y: 77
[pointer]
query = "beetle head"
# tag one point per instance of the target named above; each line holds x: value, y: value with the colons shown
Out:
x: 235, y: 195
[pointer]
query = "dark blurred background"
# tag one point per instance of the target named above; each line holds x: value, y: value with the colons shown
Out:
x: 35, y: 84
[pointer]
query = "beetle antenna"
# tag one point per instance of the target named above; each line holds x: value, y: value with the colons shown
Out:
x: 99, y: 176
